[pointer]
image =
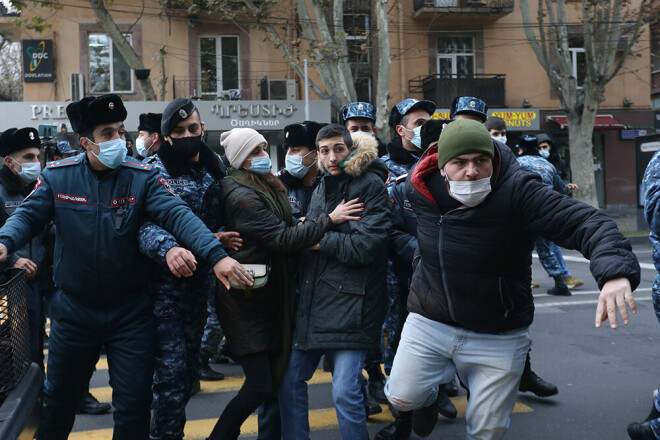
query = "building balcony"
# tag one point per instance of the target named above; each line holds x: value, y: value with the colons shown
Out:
x: 442, y: 89
x: 488, y: 8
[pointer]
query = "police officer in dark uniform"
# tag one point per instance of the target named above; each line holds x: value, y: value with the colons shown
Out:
x: 301, y: 166
x: 149, y: 138
x: 194, y: 173
x: 19, y: 173
x: 360, y: 117
x: 98, y: 200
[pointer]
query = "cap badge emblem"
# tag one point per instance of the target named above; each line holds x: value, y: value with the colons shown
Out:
x: 111, y: 105
x: 183, y: 113
x: 473, y: 104
x: 360, y: 107
x: 286, y: 136
x: 31, y: 135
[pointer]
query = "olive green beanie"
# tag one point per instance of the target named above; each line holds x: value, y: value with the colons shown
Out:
x: 463, y: 136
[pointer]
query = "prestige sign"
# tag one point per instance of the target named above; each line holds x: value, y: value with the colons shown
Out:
x: 38, y: 61
x: 516, y: 119
x: 217, y: 115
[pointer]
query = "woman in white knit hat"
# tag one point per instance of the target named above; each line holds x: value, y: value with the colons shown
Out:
x: 257, y: 321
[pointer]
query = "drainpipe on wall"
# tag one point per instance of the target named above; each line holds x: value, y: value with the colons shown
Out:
x: 402, y: 64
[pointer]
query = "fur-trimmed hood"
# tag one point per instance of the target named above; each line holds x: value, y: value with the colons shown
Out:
x: 363, y: 158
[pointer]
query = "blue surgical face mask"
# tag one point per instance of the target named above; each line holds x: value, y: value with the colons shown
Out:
x: 29, y: 171
x: 294, y: 165
x: 141, y: 148
x: 363, y: 132
x: 260, y: 165
x: 417, y: 138
x: 111, y: 153
x: 544, y: 153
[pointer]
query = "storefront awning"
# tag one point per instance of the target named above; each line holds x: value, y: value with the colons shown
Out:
x: 603, y: 122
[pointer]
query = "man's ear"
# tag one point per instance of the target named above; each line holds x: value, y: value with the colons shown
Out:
x: 400, y: 130
x: 375, y: 130
x: 84, y: 142
x: 442, y: 172
x: 157, y: 138
x: 9, y: 162
x: 202, y: 124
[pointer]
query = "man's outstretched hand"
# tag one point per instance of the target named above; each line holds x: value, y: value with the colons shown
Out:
x: 613, y: 297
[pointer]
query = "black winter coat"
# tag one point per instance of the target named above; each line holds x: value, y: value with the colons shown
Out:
x: 253, y: 323
x: 341, y: 287
x: 475, y: 266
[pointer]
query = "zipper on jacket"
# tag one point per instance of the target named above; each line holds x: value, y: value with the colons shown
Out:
x: 441, y: 240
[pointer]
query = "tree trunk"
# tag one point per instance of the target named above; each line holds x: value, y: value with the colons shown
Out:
x: 126, y: 50
x: 384, y: 62
x: 580, y: 135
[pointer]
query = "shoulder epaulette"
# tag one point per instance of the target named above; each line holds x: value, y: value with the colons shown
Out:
x: 401, y: 178
x: 137, y: 165
x: 64, y: 162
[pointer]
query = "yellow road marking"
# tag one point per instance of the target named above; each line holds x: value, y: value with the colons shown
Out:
x: 230, y: 383
x: 318, y: 419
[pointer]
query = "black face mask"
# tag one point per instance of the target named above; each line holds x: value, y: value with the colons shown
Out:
x: 187, y: 147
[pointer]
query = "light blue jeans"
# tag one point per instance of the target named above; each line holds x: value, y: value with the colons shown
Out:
x: 490, y: 365
x: 346, y: 393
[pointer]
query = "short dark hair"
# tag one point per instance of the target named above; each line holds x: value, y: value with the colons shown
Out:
x: 495, y: 123
x: 404, y: 119
x: 334, y: 130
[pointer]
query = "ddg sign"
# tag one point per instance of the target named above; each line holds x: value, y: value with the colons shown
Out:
x: 38, y: 61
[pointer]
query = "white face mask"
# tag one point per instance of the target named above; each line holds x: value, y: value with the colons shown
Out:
x: 499, y: 138
x: 29, y: 171
x: 470, y: 192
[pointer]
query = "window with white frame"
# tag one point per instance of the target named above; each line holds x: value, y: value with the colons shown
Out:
x: 218, y: 65
x: 356, y: 26
x: 108, y: 70
x: 578, y: 63
x: 455, y: 56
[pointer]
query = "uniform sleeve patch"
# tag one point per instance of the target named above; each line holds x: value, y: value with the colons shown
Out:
x: 167, y: 186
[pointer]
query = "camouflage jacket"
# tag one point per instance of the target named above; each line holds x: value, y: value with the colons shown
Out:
x: 547, y: 171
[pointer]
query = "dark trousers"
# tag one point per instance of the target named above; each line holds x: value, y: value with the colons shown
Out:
x: 270, y: 423
x: 257, y: 387
x: 76, y: 334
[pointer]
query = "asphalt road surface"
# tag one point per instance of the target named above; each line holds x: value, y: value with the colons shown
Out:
x: 605, y: 377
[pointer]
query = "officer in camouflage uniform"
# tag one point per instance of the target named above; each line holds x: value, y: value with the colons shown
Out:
x: 360, y: 117
x: 403, y: 236
x: 403, y: 151
x: 193, y: 171
x: 651, y: 189
x: 530, y: 160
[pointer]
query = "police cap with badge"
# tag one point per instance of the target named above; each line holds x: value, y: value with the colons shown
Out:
x: 64, y: 147
x: 13, y: 140
x: 469, y: 105
x: 176, y: 111
x: 91, y: 112
x: 301, y: 135
x: 150, y: 122
x: 358, y: 110
x: 406, y: 106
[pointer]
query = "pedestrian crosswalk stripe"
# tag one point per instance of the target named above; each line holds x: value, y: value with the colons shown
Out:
x: 318, y: 419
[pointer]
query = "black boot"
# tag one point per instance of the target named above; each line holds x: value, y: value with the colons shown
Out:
x: 89, y: 405
x: 560, y: 289
x: 445, y: 406
x: 398, y: 430
x: 530, y: 381
x: 208, y: 373
x: 424, y: 419
x: 452, y: 388
x: 641, y: 431
x: 654, y: 414
x: 377, y: 384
